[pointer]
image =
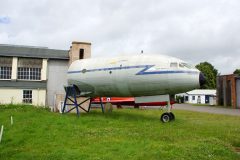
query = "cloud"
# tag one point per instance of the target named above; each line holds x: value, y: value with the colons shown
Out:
x: 4, y: 20
x: 194, y: 31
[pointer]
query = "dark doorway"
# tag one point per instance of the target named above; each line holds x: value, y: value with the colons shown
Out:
x: 186, y: 98
x: 207, y: 99
x: 229, y: 93
x: 238, y: 92
x: 81, y: 53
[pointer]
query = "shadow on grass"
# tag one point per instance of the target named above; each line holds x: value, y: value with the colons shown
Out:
x: 126, y: 114
x: 123, y: 114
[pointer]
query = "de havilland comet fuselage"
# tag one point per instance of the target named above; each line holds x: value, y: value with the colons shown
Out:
x: 133, y: 76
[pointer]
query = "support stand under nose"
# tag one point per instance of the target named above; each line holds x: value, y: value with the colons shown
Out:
x: 71, y: 99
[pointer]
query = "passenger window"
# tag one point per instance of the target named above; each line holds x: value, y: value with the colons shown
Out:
x: 174, y: 65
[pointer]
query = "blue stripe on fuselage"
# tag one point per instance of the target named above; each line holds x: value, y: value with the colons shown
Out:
x: 142, y: 72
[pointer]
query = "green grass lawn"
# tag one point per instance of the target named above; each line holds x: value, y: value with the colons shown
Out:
x: 123, y: 134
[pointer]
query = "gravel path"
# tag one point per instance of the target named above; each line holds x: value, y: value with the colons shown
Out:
x: 208, y: 109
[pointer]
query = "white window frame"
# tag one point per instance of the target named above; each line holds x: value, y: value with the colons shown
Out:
x: 27, y: 73
x: 193, y: 98
x: 7, y: 72
x: 27, y: 96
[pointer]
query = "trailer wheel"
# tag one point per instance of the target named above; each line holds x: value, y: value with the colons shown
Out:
x: 166, y: 117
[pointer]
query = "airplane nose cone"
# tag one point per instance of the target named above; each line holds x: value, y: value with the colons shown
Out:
x: 202, y: 79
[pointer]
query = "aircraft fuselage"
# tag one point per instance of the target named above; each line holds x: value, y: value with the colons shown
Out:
x: 133, y: 76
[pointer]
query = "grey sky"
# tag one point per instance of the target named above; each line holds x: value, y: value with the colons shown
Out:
x: 195, y: 31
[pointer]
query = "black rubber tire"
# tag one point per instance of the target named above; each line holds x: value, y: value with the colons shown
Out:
x: 165, y: 117
x: 172, y: 116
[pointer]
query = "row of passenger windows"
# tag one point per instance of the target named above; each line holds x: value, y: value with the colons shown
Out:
x: 23, y: 73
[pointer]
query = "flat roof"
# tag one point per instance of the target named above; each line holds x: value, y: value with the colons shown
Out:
x: 32, y: 51
x: 202, y: 92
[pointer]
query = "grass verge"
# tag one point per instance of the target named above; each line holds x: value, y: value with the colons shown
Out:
x: 123, y: 134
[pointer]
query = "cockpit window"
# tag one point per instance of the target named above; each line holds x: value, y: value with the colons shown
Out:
x: 185, y: 65
x: 181, y: 65
x: 173, y: 64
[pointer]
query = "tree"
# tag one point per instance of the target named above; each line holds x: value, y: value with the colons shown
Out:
x: 210, y: 74
x: 237, y: 71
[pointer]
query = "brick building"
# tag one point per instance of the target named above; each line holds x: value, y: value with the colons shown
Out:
x: 228, y: 90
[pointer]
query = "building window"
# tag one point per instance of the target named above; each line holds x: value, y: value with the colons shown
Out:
x: 81, y: 53
x: 27, y: 96
x: 193, y: 98
x: 199, y: 100
x: 5, y: 72
x: 29, y: 73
